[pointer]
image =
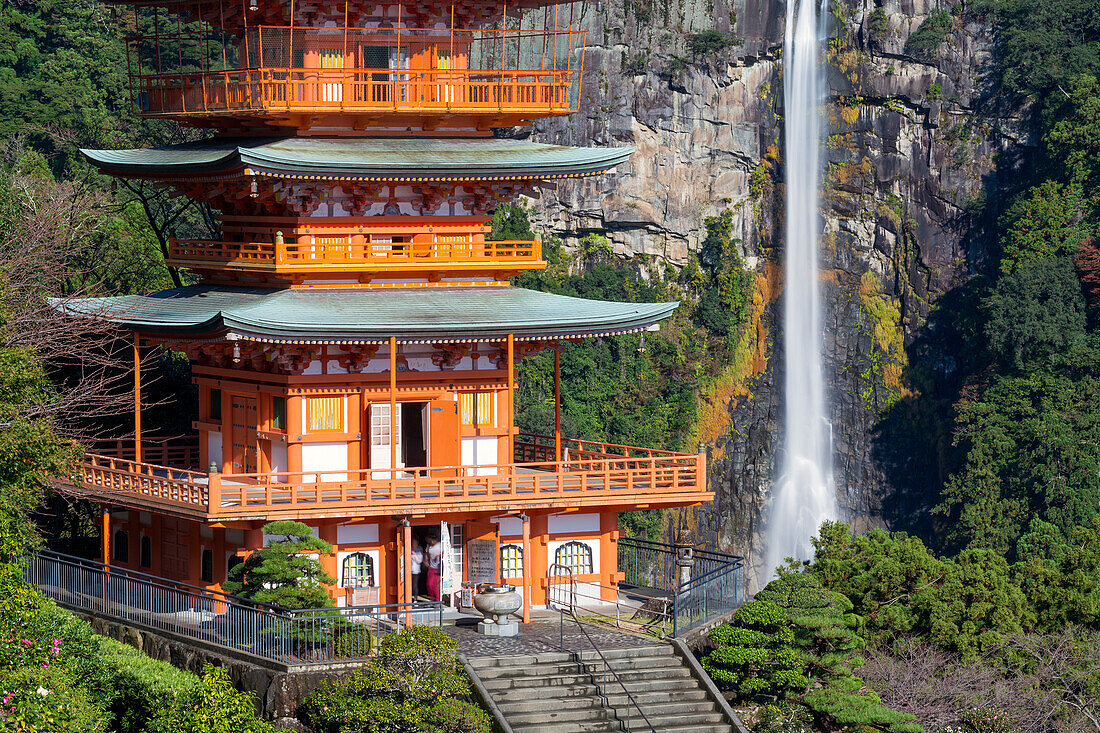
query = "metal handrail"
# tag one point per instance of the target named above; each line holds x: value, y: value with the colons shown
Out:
x: 568, y: 572
x: 237, y: 626
x: 164, y: 582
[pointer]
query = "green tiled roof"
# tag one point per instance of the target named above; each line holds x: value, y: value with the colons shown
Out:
x: 360, y: 158
x: 370, y: 314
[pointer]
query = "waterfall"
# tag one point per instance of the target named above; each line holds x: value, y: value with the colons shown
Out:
x: 804, y: 494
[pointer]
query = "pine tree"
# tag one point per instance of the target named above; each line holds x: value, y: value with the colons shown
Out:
x: 797, y: 640
x: 286, y: 572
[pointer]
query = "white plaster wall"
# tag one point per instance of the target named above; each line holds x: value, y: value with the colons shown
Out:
x: 278, y: 456
x: 573, y: 523
x: 214, y: 448
x: 509, y: 526
x: 326, y: 461
x: 355, y: 534
x: 480, y: 451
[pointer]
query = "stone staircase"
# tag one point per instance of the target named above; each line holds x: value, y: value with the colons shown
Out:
x: 551, y: 692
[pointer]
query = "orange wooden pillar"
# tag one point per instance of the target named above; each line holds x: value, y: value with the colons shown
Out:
x: 327, y: 532
x: 137, y: 401
x: 528, y: 568
x: 540, y: 561
x: 557, y: 403
x: 393, y: 410
x: 106, y: 536
x: 609, y: 554
x: 106, y: 558
x: 406, y: 562
x: 511, y: 446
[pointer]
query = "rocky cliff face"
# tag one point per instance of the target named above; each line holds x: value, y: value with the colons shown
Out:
x: 913, y: 144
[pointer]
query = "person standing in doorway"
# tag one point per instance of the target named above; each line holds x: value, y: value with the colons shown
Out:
x: 417, y: 563
x: 434, y: 562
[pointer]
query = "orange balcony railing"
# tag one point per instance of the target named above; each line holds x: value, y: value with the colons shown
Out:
x: 318, y: 91
x: 318, y: 254
x: 605, y: 475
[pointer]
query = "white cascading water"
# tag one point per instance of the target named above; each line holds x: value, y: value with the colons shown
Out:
x: 804, y: 495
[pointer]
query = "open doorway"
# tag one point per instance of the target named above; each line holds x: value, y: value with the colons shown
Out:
x: 414, y: 434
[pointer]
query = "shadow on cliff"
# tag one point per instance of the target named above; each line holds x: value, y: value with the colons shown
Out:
x: 913, y: 441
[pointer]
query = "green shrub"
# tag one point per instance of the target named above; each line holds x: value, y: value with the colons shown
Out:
x: 414, y: 685
x: 878, y: 26
x: 456, y: 716
x: 140, y: 692
x: 710, y: 41
x: 215, y: 707
x: 930, y: 35
x: 357, y: 640
x: 48, y: 700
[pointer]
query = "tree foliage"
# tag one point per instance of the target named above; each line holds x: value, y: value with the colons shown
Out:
x: 797, y: 639
x: 414, y: 685
x: 966, y: 604
x: 286, y: 571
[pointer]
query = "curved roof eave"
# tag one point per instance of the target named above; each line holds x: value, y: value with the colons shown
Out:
x: 360, y: 158
x: 449, y: 314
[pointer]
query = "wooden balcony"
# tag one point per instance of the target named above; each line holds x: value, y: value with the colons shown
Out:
x: 504, y: 97
x: 399, y: 75
x: 591, y: 475
x: 334, y: 254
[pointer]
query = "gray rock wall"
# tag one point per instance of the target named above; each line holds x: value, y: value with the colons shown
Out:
x: 913, y: 146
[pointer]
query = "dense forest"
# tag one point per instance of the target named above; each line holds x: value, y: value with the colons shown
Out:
x: 980, y: 613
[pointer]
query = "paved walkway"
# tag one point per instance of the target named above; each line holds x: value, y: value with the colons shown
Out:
x: 539, y: 637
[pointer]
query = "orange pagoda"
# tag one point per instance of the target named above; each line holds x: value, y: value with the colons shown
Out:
x: 352, y: 334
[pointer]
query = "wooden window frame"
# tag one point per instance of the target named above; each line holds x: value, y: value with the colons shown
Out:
x: 338, y: 400
x: 572, y: 553
x: 349, y: 564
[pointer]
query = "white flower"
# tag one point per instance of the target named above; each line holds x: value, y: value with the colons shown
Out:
x: 43, y: 691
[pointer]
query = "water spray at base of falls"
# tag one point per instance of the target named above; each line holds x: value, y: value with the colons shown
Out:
x: 804, y: 495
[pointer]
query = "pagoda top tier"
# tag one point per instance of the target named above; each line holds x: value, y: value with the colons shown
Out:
x: 237, y: 15
x: 381, y: 68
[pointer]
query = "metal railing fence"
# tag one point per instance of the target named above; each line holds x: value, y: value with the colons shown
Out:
x: 563, y: 594
x: 235, y: 625
x: 707, y: 597
x: 715, y: 585
x: 650, y: 564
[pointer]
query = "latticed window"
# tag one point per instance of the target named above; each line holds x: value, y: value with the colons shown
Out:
x: 358, y: 571
x: 576, y: 556
x: 325, y: 414
x: 380, y: 427
x: 477, y: 409
x: 511, y: 561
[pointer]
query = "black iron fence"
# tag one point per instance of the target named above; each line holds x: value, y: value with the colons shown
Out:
x: 702, y: 584
x: 235, y: 625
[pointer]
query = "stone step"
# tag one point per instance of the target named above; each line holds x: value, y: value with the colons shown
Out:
x: 544, y: 669
x: 543, y: 693
x: 561, y: 714
x: 519, y: 660
x: 652, y: 698
x: 655, y: 710
x: 644, y: 684
x: 680, y: 719
x: 534, y: 704
x: 590, y: 726
x: 576, y: 676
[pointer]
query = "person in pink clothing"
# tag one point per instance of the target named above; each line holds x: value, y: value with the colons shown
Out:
x: 434, y: 561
